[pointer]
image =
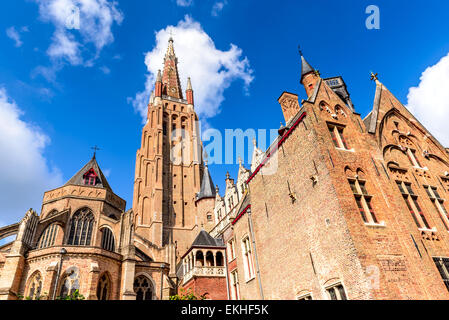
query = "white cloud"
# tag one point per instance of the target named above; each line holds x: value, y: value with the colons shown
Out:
x: 82, y: 29
x: 105, y: 70
x: 184, y: 3
x: 14, y: 35
x: 65, y: 46
x: 25, y: 174
x: 429, y: 102
x: 218, y: 7
x: 212, y: 71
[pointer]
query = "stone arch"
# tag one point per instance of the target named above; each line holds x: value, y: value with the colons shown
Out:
x: 349, y: 172
x: 199, y: 256
x: 80, y: 228
x: 210, y: 259
x: 332, y: 281
x: 339, y: 110
x: 394, y: 114
x: 409, y: 141
x: 144, y: 287
x: 393, y: 153
x: 70, y: 282
x: 9, y: 231
x: 50, y: 236
x: 107, y: 238
x: 219, y: 259
x: 104, y: 287
x: 361, y: 174
x: 324, y: 106
x: 33, y: 288
x: 303, y: 293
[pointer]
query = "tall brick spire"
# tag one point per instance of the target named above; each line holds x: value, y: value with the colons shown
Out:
x: 170, y: 77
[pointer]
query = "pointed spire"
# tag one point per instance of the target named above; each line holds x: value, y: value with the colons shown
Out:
x: 207, y: 185
x: 189, y: 92
x: 306, y: 68
x: 170, y: 75
x: 158, y: 85
x: 189, y: 84
x: 170, y: 49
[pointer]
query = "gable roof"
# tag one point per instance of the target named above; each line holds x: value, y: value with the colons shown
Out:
x: 78, y: 178
x: 204, y: 239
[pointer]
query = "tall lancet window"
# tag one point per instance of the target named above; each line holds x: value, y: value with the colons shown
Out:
x: 107, y: 239
x: 90, y: 178
x: 81, y: 228
x: 103, y: 288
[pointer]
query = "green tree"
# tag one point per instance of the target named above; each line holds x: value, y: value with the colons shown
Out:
x: 187, y: 295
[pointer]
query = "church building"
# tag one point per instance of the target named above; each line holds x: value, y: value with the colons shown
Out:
x: 337, y: 208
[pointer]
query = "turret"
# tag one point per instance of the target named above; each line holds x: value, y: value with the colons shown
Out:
x: 309, y: 76
x: 189, y: 93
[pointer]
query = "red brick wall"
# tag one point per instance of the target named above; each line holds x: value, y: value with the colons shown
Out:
x: 320, y: 239
x: 214, y: 287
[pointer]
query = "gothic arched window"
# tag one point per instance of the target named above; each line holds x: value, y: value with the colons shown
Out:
x: 90, y: 178
x: 104, y: 288
x: 48, y: 237
x: 35, y: 286
x: 107, y: 239
x: 143, y: 288
x: 81, y: 228
x: 71, y: 282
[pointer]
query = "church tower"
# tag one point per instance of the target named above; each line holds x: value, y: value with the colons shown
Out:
x: 168, y: 165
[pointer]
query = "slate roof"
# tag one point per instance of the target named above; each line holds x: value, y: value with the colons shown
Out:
x: 305, y: 67
x: 78, y: 178
x: 207, y: 186
x: 204, y: 239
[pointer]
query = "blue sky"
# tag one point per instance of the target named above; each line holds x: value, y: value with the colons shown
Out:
x: 58, y: 101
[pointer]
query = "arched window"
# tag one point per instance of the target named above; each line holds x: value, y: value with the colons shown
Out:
x: 81, y: 228
x: 104, y: 288
x: 35, y: 286
x: 48, y: 237
x: 107, y: 239
x: 143, y: 288
x: 71, y: 282
x: 209, y: 259
x: 199, y: 259
x: 219, y: 258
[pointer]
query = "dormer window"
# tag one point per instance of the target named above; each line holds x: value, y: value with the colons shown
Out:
x: 90, y: 178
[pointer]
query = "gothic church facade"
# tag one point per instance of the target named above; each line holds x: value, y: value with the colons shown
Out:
x: 355, y: 209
